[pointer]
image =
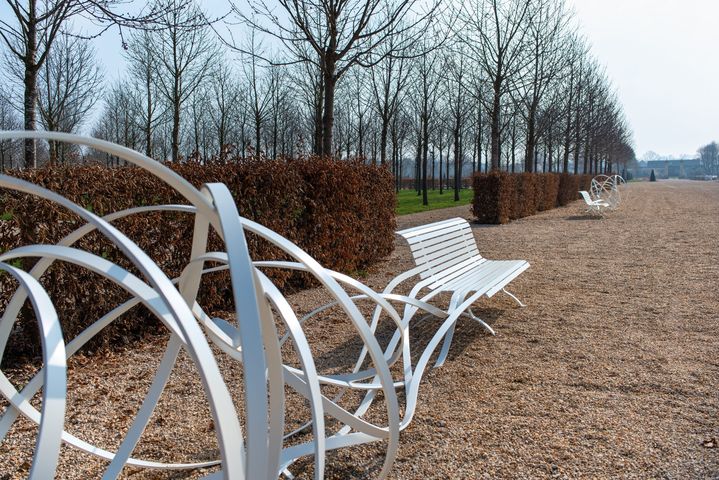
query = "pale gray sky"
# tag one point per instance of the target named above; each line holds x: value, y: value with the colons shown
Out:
x: 662, y: 57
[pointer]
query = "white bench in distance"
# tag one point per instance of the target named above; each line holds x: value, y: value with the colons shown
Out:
x: 594, y: 206
x: 448, y: 260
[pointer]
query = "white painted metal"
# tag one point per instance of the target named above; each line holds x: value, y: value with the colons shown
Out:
x: 607, y: 189
x: 260, y: 451
x: 594, y: 206
x: 448, y: 260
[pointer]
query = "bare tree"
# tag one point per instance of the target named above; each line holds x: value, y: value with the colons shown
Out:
x: 69, y: 85
x: 570, y: 92
x: 340, y: 34
x: 427, y: 80
x: 225, y: 100
x: 33, y: 26
x: 309, y: 89
x: 494, y: 33
x: 546, y: 43
x: 186, y: 51
x: 117, y: 123
x: 459, y: 109
x: 358, y: 100
x: 9, y: 149
x: 709, y: 155
x: 143, y: 68
x: 260, y: 84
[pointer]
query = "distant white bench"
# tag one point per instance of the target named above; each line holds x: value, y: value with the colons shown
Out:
x: 594, y: 206
x: 448, y: 260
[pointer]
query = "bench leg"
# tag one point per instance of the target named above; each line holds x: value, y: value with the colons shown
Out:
x: 445, y: 347
x: 450, y: 334
x: 480, y: 321
x: 515, y: 298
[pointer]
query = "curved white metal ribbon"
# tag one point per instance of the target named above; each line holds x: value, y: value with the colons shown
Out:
x: 259, y: 451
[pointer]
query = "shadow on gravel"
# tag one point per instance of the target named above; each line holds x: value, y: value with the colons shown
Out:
x: 468, y: 331
x: 583, y: 217
x: 339, y: 357
x: 476, y: 224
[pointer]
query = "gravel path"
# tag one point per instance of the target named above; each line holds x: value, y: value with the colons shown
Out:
x: 610, y: 372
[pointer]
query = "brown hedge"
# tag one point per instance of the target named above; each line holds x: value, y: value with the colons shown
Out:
x: 526, y: 204
x: 568, y: 189
x: 341, y: 212
x: 500, y: 197
x: 494, y: 194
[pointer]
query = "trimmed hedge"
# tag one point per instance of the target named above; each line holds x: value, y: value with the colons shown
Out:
x: 340, y: 212
x: 500, y: 197
x: 494, y: 195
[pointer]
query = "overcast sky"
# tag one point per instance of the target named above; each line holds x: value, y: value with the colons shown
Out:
x: 662, y: 57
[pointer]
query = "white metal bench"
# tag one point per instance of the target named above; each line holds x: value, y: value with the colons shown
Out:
x: 448, y: 260
x: 594, y: 206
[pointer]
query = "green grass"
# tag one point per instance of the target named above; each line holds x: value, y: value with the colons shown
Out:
x: 409, y: 202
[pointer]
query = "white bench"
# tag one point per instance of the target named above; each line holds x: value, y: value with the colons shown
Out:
x: 594, y: 206
x: 448, y: 260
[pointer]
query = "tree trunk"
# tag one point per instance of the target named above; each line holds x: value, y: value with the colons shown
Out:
x: 383, y: 140
x: 441, y: 157
x: 319, y: 106
x: 360, y: 137
x: 329, y: 115
x: 446, y: 169
x: 585, y: 168
x: 30, y: 84
x: 433, y: 168
x: 418, y: 164
x: 550, y: 147
x: 495, y: 127
x: 576, y: 144
x: 425, y: 151
x: 531, y: 145
x: 148, y: 125
x: 258, y: 131
x: 457, y: 162
x: 30, y: 100
x: 176, y: 129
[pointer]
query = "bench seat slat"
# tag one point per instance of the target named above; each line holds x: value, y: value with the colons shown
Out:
x: 452, y: 267
x: 495, y: 274
x: 477, y: 275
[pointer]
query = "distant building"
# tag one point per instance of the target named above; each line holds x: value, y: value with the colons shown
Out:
x: 684, y: 168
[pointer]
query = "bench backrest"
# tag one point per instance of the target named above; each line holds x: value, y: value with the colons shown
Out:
x: 442, y: 245
x: 586, y: 197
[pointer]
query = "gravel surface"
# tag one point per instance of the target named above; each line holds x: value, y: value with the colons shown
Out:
x: 610, y: 372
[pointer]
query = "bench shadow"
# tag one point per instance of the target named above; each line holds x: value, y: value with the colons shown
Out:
x: 583, y: 217
x: 421, y: 331
x: 476, y: 224
x: 469, y: 331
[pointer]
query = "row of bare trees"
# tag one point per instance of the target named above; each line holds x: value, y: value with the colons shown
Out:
x: 436, y: 91
x: 709, y: 156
